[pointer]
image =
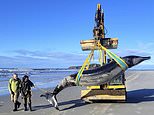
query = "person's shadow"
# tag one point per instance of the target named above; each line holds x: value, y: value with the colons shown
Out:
x: 35, y: 108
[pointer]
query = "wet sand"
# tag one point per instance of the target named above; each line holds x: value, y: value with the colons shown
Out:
x: 140, y: 100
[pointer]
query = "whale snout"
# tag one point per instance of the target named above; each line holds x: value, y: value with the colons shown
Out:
x: 140, y: 59
x: 134, y: 60
x: 144, y: 58
x: 147, y: 58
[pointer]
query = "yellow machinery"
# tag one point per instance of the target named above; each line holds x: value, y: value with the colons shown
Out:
x: 115, y: 89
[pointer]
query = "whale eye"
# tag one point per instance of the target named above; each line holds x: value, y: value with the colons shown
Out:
x: 130, y: 62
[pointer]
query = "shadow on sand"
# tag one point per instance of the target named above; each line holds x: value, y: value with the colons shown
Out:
x: 141, y: 95
x: 76, y: 103
x: 135, y: 96
x: 35, y: 108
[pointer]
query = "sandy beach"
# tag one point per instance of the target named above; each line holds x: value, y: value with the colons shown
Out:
x: 140, y: 101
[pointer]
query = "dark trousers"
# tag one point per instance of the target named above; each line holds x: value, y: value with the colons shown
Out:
x: 27, y: 99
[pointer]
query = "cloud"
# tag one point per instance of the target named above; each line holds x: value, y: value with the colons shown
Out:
x: 126, y: 52
x: 145, y: 45
x: 141, y: 49
x: 26, y: 58
x: 50, y: 55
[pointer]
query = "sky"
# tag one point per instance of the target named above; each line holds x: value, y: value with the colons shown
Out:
x: 47, y: 33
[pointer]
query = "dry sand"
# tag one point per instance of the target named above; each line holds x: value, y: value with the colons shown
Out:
x: 140, y: 101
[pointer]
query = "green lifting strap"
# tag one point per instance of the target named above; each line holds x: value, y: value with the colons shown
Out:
x: 116, y: 58
x: 87, y: 61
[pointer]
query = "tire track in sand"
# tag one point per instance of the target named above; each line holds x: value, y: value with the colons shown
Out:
x: 133, y: 77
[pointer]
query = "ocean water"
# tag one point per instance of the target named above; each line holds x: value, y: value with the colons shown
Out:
x: 41, y: 79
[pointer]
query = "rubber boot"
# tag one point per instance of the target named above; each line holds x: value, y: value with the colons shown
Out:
x: 25, y: 106
x: 18, y: 104
x: 15, y: 107
x: 30, y: 106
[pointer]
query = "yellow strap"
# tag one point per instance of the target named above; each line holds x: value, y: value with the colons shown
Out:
x: 87, y: 61
x: 116, y: 58
x: 113, y: 56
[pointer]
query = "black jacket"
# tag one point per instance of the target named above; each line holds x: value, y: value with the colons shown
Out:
x: 26, y: 87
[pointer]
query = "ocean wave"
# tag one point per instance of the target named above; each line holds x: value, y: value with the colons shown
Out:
x: 41, y: 79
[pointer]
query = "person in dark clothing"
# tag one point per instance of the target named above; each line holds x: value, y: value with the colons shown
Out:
x: 26, y: 92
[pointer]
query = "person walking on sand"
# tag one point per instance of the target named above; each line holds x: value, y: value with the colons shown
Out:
x: 14, y: 87
x: 26, y: 92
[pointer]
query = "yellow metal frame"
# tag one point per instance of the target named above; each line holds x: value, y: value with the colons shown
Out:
x: 105, y: 97
x: 104, y: 60
x: 113, y: 56
x: 108, y: 87
x: 103, y: 52
x: 100, y: 57
x: 100, y: 96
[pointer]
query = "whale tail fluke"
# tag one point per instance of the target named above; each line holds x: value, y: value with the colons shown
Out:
x: 51, y: 98
x: 54, y: 102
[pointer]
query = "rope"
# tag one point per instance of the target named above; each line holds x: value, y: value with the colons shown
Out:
x: 42, y: 90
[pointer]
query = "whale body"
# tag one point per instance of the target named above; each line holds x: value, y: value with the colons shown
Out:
x: 96, y: 76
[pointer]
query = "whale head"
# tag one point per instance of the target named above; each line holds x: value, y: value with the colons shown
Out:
x: 134, y: 60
